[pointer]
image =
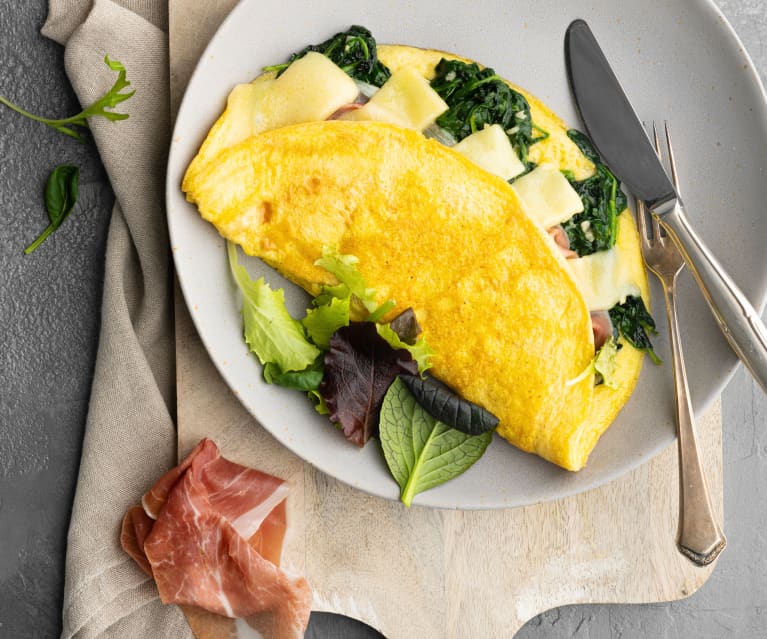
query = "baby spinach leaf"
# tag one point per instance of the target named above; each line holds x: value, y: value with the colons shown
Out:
x: 60, y: 199
x: 596, y: 228
x: 633, y: 322
x: 353, y: 50
x: 306, y: 380
x: 270, y: 332
x: 420, y: 451
x: 479, y: 97
x: 451, y: 409
x: 359, y: 368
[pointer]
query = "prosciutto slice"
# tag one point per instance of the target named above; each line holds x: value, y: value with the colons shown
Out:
x: 210, y: 532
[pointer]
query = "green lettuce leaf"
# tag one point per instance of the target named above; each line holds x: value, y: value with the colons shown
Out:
x: 420, y: 451
x: 270, y: 332
x: 321, y: 322
x: 420, y: 350
x: 351, y: 282
x: 603, y: 365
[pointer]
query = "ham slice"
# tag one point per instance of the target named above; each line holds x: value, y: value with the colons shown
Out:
x: 210, y: 532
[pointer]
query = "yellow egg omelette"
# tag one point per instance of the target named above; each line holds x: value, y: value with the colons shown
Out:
x: 285, y: 175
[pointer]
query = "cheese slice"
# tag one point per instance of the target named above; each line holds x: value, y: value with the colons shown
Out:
x: 547, y: 196
x: 491, y: 149
x: 604, y: 278
x: 406, y: 99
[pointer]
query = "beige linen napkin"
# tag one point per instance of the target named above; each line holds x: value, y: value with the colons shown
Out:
x: 130, y: 435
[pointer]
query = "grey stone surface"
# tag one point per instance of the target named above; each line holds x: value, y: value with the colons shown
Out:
x: 49, y: 314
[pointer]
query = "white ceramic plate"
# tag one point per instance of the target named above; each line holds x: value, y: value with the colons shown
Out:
x: 679, y: 61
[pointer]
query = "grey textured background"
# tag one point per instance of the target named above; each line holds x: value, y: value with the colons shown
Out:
x: 49, y: 314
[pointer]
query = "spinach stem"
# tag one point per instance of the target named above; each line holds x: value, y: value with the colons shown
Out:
x: 43, y: 236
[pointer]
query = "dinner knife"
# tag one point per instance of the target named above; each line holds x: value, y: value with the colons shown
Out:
x: 622, y: 141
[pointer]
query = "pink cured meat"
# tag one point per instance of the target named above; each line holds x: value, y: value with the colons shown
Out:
x: 217, y: 540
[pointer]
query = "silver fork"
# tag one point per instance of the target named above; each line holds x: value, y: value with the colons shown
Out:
x: 699, y: 537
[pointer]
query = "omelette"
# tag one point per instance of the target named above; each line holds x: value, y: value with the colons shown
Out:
x: 298, y: 163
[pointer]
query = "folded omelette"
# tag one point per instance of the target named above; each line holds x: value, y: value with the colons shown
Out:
x: 509, y: 322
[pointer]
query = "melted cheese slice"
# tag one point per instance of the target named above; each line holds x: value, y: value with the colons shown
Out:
x: 491, y: 149
x: 547, y: 196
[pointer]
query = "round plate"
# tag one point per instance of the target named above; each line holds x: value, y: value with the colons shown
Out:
x: 679, y: 61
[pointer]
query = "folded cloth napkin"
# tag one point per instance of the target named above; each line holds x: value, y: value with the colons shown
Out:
x: 130, y: 437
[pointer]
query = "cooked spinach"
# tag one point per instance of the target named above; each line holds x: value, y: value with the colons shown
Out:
x: 633, y: 322
x: 353, y: 50
x: 479, y: 97
x: 596, y: 228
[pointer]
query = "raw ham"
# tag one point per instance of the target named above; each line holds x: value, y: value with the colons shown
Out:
x: 210, y: 533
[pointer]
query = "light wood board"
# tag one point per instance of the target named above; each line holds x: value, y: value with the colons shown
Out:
x: 467, y: 573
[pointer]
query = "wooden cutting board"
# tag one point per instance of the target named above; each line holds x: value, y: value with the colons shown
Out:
x: 468, y: 574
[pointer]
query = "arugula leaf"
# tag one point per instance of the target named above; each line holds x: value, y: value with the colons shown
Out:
x: 596, y: 228
x: 270, y: 332
x: 60, y: 199
x: 353, y: 50
x: 109, y: 100
x: 479, y: 97
x: 633, y: 322
x: 359, y: 368
x: 420, y: 451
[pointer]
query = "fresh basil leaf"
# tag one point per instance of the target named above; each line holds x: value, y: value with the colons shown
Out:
x: 60, y: 200
x: 446, y: 406
x: 270, y: 332
x: 359, y: 368
x: 634, y: 322
x: 420, y: 451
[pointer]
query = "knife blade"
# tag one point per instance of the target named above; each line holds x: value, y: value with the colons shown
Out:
x: 619, y: 137
x: 610, y: 120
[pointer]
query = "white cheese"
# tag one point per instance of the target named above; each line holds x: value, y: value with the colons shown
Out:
x: 491, y: 149
x: 406, y: 99
x: 312, y: 88
x: 604, y: 279
x: 547, y: 196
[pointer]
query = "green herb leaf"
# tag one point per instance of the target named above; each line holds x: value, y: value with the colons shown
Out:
x: 305, y: 380
x: 420, y: 451
x: 359, y: 368
x: 419, y: 350
x: 634, y: 322
x: 603, y: 365
x: 351, y: 282
x: 60, y: 199
x: 321, y: 322
x: 270, y: 332
x: 596, y: 228
x: 479, y: 97
x: 446, y: 406
x: 353, y: 50
x: 68, y: 126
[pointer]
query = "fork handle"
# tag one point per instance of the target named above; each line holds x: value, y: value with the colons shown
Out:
x: 737, y: 319
x: 700, y: 539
